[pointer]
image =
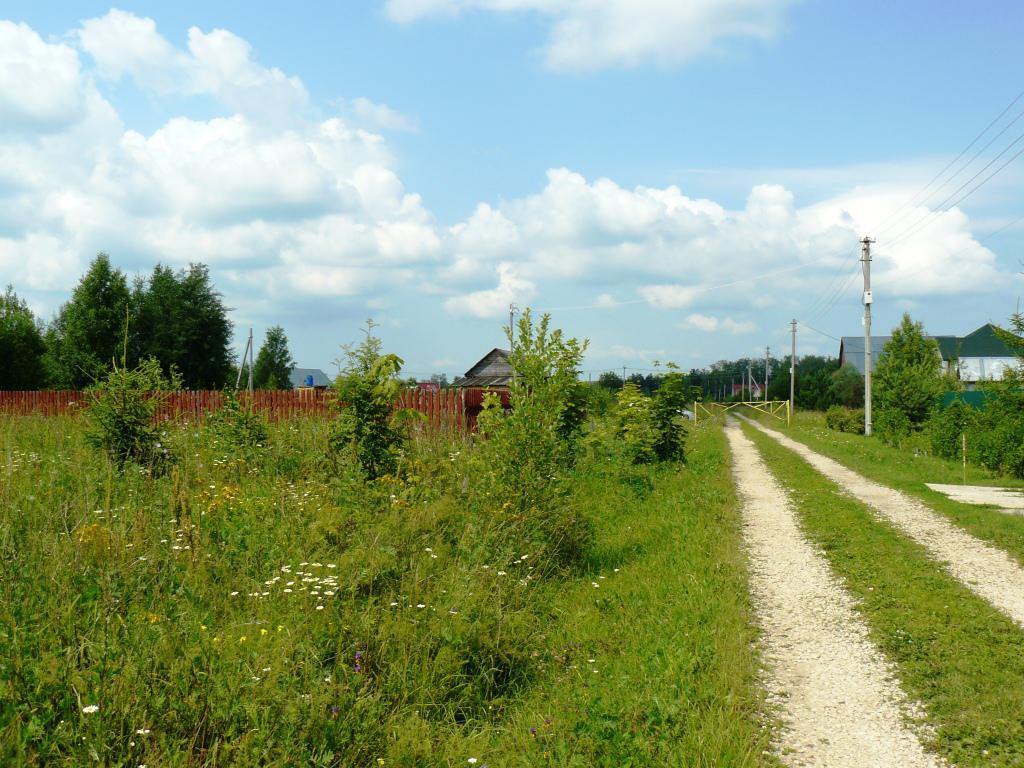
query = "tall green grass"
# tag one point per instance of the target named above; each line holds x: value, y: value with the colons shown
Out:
x: 269, y: 607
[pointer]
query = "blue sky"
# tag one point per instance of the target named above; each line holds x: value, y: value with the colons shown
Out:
x: 693, y: 173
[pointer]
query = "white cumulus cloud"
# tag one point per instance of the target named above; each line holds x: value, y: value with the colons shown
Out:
x: 41, y: 86
x: 587, y: 35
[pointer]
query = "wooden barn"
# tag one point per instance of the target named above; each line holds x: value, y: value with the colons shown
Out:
x: 492, y: 373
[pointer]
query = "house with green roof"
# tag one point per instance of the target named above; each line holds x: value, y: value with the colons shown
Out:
x: 979, y: 356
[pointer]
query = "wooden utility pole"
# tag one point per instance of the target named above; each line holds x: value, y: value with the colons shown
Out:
x: 250, y: 358
x: 512, y: 309
x: 767, y: 353
x: 792, y: 368
x: 245, y: 358
x: 866, y: 262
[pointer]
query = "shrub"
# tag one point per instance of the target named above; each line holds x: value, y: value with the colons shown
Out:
x: 845, y: 419
x: 947, y: 426
x: 521, y: 466
x: 667, y: 407
x: 365, y: 392
x: 121, y: 413
x: 892, y: 426
x: 997, y: 439
x: 637, y: 429
x: 238, y: 425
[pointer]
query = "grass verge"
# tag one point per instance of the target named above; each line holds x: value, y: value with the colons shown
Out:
x: 903, y: 470
x: 957, y: 655
x: 652, y: 656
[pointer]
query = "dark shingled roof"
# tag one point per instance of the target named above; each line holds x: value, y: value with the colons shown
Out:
x: 492, y: 370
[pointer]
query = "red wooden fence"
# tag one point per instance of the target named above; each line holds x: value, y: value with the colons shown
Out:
x: 444, y: 409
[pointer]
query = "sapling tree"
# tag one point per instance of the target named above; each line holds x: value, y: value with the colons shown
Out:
x: 121, y: 410
x: 365, y: 392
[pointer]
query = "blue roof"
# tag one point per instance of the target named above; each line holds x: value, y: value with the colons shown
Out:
x: 320, y: 379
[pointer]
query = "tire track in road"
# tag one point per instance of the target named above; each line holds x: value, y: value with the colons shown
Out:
x: 839, y: 699
x: 987, y: 571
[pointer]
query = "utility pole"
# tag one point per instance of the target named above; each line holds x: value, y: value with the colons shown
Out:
x: 767, y: 353
x: 245, y: 359
x: 623, y: 375
x: 750, y: 382
x: 866, y: 262
x: 250, y: 358
x: 512, y: 309
x: 792, y: 368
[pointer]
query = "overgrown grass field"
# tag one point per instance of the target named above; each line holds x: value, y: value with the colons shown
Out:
x: 272, y: 606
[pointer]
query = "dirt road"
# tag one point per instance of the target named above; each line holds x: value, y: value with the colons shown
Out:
x: 837, y: 695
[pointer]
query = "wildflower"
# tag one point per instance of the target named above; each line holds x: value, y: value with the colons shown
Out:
x: 263, y: 630
x: 471, y: 761
x: 420, y: 605
x: 241, y: 639
x: 280, y: 627
x: 142, y: 731
x: 91, y: 709
x: 594, y: 584
x: 501, y: 573
x: 319, y: 607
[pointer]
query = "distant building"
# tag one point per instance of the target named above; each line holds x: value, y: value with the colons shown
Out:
x: 492, y: 371
x: 979, y: 356
x: 309, y: 377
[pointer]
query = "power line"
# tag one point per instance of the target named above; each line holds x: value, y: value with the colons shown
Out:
x: 881, y: 225
x: 943, y: 207
x: 812, y: 328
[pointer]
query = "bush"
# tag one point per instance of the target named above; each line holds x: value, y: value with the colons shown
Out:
x: 238, y: 425
x: 521, y: 466
x: 892, y: 426
x: 845, y: 419
x: 637, y: 430
x: 365, y: 392
x: 997, y: 439
x: 121, y: 413
x: 667, y: 407
x: 947, y: 426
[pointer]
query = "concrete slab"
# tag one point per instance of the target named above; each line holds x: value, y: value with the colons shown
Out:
x: 1009, y: 500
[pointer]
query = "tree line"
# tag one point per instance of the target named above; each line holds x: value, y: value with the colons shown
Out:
x: 177, y: 318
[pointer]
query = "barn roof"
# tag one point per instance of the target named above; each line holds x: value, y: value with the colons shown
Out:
x: 491, y: 370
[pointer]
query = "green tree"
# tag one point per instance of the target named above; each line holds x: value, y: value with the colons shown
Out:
x: 206, y: 361
x: 21, y: 345
x: 274, y: 364
x: 365, y: 391
x: 667, y: 405
x: 181, y: 321
x: 847, y: 387
x: 84, y: 337
x: 907, y: 380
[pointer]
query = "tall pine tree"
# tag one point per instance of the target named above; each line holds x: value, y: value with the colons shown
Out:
x: 274, y: 364
x: 21, y: 345
x: 85, y: 335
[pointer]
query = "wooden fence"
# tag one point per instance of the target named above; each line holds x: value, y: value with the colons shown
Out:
x: 444, y: 409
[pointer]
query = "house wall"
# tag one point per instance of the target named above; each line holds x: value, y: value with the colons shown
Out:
x: 985, y: 368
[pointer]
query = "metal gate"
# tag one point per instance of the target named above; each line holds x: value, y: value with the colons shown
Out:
x: 780, y: 409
